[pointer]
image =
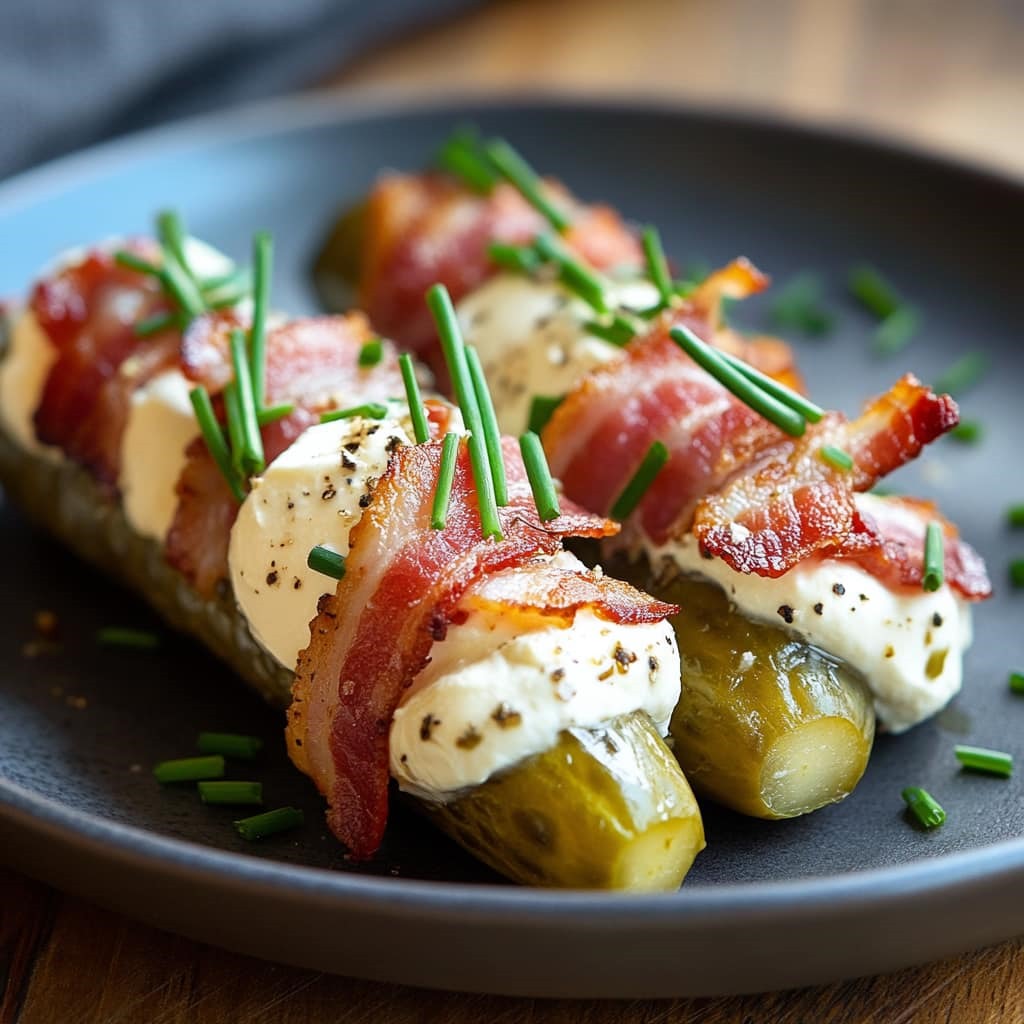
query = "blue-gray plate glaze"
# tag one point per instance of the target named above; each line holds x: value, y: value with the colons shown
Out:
x: 850, y: 890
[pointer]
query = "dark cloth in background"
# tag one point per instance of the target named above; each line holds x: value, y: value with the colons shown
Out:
x: 74, y: 71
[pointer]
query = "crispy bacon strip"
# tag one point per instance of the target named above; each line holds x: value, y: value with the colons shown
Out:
x: 428, y: 228
x: 402, y: 585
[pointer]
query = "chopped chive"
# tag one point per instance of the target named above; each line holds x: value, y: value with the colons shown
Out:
x: 273, y: 413
x: 126, y: 258
x: 967, y: 432
x: 230, y: 744
x: 1016, y: 682
x: 236, y: 428
x: 180, y: 286
x: 578, y: 278
x: 657, y: 265
x: 252, y: 452
x: 213, y: 435
x: 804, y: 406
x: 924, y: 807
x: 632, y: 495
x: 963, y: 374
x: 460, y: 155
x: 798, y: 306
x: 542, y: 408
x: 190, y: 769
x: 326, y: 561
x: 226, y: 300
x: 122, y: 636
x: 545, y: 497
x: 369, y: 410
x: 231, y: 792
x: 1015, y: 516
x: 440, y: 304
x: 1017, y: 572
x: 873, y: 291
x: 739, y: 382
x: 934, y: 557
x: 171, y: 231
x: 620, y: 331
x: 237, y: 280
x: 492, y: 433
x: 262, y: 261
x: 522, y: 259
x: 156, y: 323
x: 445, y: 476
x: 896, y: 331
x: 515, y: 169
x: 420, y: 427
x: 979, y: 759
x: 261, y: 825
x: 837, y: 457
x: 371, y: 353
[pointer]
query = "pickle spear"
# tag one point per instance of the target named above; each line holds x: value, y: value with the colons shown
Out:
x: 603, y: 809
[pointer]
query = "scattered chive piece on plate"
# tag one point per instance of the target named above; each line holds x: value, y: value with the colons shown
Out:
x: 262, y: 259
x: 837, y: 457
x: 632, y: 494
x: 657, y: 265
x: 934, y: 557
x: 267, y: 824
x: 515, y: 169
x: 522, y: 259
x: 190, y: 769
x: 924, y: 807
x: 1016, y: 682
x: 798, y: 306
x: 804, y: 406
x: 979, y: 759
x: 545, y: 497
x: 252, y: 459
x: 156, y: 323
x: 224, y: 792
x: 739, y: 383
x: 273, y: 413
x: 420, y: 429
x: 967, y: 432
x: 445, y: 476
x: 542, y: 408
x: 896, y: 331
x: 327, y: 562
x: 1017, y: 572
x: 962, y: 375
x: 371, y: 353
x: 230, y: 744
x: 213, y: 435
x: 873, y: 291
x: 577, y: 277
x: 460, y: 155
x: 1015, y: 516
x: 492, y: 433
x: 370, y: 410
x: 123, y: 636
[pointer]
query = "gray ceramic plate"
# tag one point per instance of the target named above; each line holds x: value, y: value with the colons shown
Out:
x: 852, y: 889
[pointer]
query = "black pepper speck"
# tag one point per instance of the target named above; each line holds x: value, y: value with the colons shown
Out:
x: 787, y: 613
x: 819, y: 608
x: 838, y: 589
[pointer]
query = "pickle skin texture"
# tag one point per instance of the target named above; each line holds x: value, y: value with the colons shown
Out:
x: 605, y: 808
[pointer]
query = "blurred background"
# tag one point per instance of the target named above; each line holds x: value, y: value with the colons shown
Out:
x: 946, y: 74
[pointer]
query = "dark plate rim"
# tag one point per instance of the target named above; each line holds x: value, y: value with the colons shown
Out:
x: 57, y: 823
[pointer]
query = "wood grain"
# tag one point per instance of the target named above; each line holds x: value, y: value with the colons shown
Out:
x: 943, y: 73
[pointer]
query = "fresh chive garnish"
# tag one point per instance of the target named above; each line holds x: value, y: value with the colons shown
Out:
x: 798, y: 306
x: 896, y: 331
x: 657, y: 265
x: 262, y: 261
x: 371, y: 353
x: 924, y: 807
x: 934, y: 557
x: 267, y: 824
x: 542, y: 408
x: 837, y: 457
x: 369, y: 410
x: 963, y: 374
x: 515, y: 169
x: 492, y: 433
x: 225, y: 301
x: 273, y: 413
x: 156, y: 323
x: 420, y: 427
x: 1015, y: 516
x: 236, y: 428
x: 1016, y: 682
x: 619, y: 331
x: 440, y: 304
x: 460, y: 155
x: 522, y: 259
x: 126, y: 258
x: 326, y: 561
x: 872, y: 290
x: 739, y: 383
x: 231, y: 792
x: 252, y: 459
x: 190, y: 769
x: 979, y: 759
x: 213, y: 435
x: 573, y: 274
x: 445, y: 477
x: 171, y: 231
x: 229, y: 744
x: 1017, y: 572
x: 632, y: 495
x: 804, y: 406
x: 180, y: 286
x: 123, y: 636
x: 238, y: 281
x: 967, y: 432
x: 545, y: 497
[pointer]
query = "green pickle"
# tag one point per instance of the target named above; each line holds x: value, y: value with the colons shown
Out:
x: 767, y: 724
x: 603, y: 809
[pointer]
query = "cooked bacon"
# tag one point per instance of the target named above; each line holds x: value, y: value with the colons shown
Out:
x: 402, y: 585
x: 423, y: 229
x: 88, y: 311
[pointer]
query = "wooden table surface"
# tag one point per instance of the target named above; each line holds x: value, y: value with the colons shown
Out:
x: 943, y: 73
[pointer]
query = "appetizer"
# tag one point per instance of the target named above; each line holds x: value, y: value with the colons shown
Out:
x: 387, y: 567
